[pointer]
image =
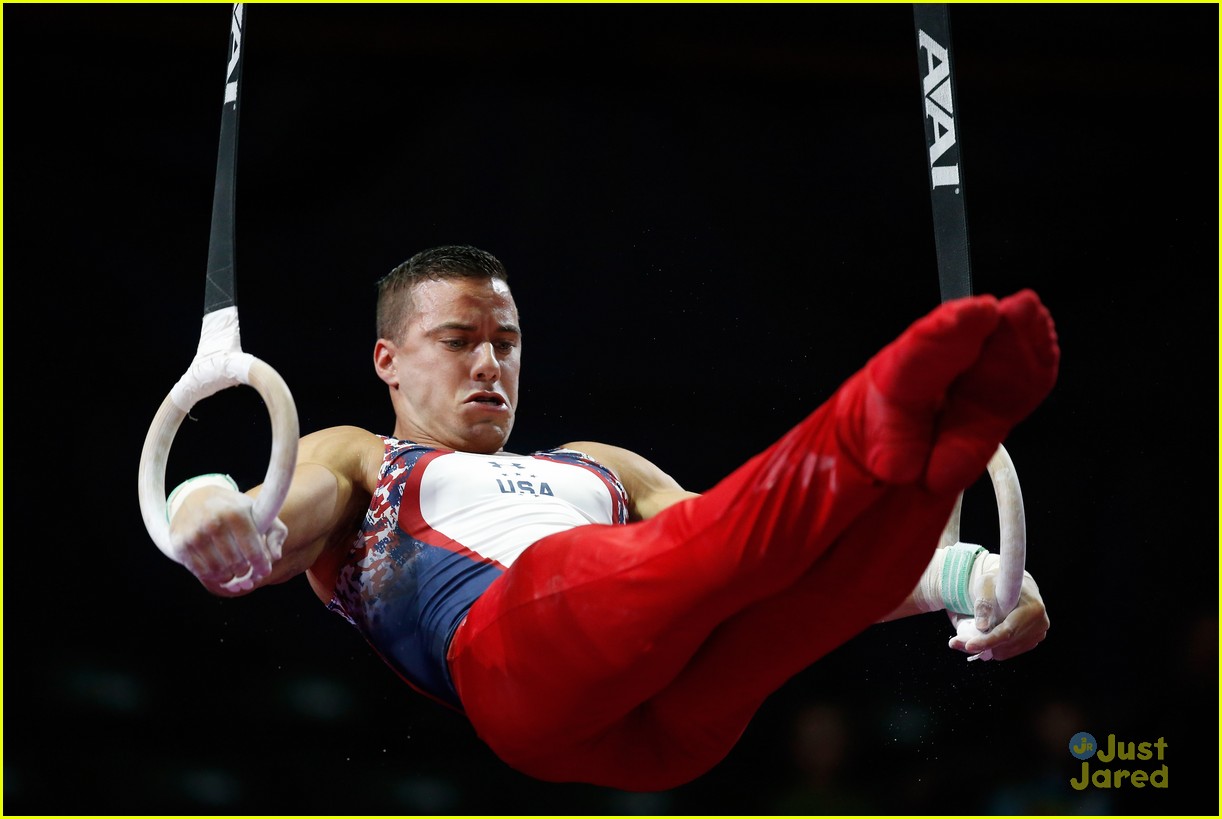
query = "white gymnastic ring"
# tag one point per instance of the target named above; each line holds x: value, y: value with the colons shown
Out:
x: 206, y: 376
x: 1012, y: 529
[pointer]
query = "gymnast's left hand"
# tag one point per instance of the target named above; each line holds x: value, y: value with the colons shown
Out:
x: 1021, y: 630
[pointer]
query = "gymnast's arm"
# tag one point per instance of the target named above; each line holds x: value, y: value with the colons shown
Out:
x: 650, y: 490
x: 334, y: 477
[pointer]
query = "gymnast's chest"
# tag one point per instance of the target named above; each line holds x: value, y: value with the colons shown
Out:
x: 461, y: 485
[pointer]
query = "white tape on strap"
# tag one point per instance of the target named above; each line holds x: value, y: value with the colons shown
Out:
x: 219, y: 362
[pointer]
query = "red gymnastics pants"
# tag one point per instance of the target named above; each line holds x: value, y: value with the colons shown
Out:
x: 634, y: 656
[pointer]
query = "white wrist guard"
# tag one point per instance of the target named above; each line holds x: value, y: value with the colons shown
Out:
x: 949, y: 578
x: 175, y: 501
x: 957, y: 569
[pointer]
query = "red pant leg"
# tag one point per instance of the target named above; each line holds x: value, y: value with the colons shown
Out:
x: 858, y: 580
x: 588, y: 625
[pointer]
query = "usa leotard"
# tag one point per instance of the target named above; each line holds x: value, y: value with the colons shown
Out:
x: 441, y: 526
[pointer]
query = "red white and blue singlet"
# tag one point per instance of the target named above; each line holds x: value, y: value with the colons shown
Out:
x: 441, y: 527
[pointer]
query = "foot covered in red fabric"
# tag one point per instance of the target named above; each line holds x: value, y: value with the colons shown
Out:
x: 932, y: 406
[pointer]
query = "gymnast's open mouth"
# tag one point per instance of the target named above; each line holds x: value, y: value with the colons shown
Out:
x: 490, y: 399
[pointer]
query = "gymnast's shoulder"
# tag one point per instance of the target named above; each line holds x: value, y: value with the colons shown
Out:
x: 649, y: 488
x: 348, y: 451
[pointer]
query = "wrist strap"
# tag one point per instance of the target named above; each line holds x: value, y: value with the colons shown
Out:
x: 175, y: 501
x: 956, y: 572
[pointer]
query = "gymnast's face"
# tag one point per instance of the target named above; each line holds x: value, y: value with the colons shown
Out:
x: 453, y: 371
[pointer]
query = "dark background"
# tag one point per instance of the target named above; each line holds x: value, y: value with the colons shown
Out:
x: 712, y: 215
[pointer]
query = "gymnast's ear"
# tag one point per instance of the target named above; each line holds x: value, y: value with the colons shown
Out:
x: 384, y: 361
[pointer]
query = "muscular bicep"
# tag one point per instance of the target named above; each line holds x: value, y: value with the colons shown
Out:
x: 650, y: 490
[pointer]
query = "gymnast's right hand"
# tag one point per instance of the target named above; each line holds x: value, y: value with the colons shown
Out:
x: 212, y: 534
